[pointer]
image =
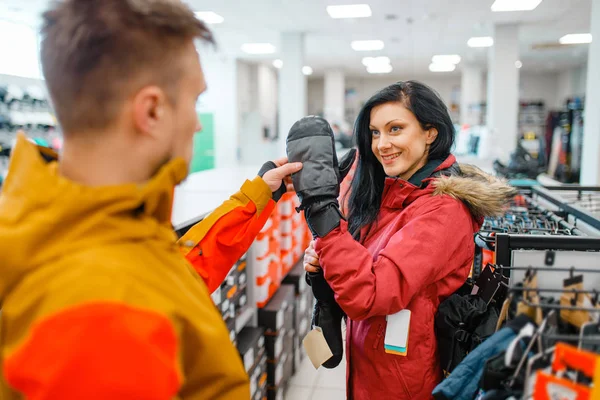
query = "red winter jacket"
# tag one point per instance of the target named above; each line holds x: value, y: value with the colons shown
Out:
x: 418, y: 252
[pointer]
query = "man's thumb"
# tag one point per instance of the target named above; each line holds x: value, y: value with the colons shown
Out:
x: 287, y: 169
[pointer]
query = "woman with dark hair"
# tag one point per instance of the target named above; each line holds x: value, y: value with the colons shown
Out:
x: 408, y: 240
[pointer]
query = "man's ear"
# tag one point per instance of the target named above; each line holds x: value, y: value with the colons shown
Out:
x: 148, y: 109
x: 432, y: 134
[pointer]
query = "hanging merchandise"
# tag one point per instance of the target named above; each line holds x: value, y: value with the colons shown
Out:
x: 567, y: 141
x: 576, y: 145
x: 556, y: 384
x: 528, y: 357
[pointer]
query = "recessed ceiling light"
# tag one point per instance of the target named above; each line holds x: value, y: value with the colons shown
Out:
x: 576, y: 38
x: 446, y: 59
x: 515, y: 5
x: 349, y: 11
x: 367, y: 45
x: 382, y: 60
x: 481, y: 41
x: 518, y: 64
x: 379, y: 69
x: 433, y: 67
x: 209, y: 17
x: 278, y: 64
x: 306, y: 70
x: 258, y: 48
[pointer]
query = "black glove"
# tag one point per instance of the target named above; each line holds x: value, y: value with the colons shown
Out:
x: 328, y: 316
x: 269, y: 165
x: 311, y: 142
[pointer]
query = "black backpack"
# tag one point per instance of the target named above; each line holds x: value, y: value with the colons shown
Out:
x: 463, y: 321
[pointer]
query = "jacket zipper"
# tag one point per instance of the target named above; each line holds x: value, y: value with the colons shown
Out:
x: 379, y: 337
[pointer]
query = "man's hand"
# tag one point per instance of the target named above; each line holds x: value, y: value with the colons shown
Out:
x: 277, y: 175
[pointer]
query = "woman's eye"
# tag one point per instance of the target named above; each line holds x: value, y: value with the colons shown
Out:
x: 396, y: 129
x: 375, y: 133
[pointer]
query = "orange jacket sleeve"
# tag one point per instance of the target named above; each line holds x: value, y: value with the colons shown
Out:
x: 97, y: 351
x: 214, y: 245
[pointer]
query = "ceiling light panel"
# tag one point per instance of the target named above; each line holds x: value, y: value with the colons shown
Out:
x: 481, y: 41
x: 379, y: 69
x: 442, y: 67
x: 515, y: 5
x: 349, y: 11
x: 306, y: 70
x: 278, y: 64
x: 209, y: 17
x: 446, y: 59
x: 576, y: 38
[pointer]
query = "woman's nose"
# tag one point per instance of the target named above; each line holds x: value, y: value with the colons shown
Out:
x: 384, y: 142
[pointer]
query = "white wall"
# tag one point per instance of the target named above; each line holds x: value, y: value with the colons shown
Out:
x: 540, y: 86
x: 571, y: 83
x: 366, y: 87
x: 257, y: 110
x: 220, y: 99
x: 549, y: 87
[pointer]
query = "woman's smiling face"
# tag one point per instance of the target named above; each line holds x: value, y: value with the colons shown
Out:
x: 399, y: 142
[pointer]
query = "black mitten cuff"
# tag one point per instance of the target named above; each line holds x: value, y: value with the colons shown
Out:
x: 322, y: 219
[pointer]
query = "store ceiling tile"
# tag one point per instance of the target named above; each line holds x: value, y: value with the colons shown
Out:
x: 413, y: 30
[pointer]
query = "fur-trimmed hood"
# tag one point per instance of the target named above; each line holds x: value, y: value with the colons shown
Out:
x: 485, y: 195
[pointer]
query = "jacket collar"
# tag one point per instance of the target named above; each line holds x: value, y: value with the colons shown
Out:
x: 398, y: 193
x: 34, y: 169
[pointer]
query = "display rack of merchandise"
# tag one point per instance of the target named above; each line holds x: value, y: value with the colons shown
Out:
x: 530, y: 214
x: 563, y: 141
x: 580, y: 205
x: 532, y: 122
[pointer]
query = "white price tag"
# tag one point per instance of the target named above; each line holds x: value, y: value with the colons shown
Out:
x: 230, y: 280
x: 242, y: 279
x: 253, y: 386
x: 243, y: 300
x: 225, y: 306
x: 279, y: 319
x: 261, y: 342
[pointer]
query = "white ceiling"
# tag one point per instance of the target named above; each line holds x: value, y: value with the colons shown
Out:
x: 422, y: 28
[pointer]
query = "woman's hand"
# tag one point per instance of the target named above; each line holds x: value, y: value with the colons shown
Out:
x: 311, y: 259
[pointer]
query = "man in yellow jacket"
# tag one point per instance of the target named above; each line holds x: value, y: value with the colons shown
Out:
x: 98, y: 299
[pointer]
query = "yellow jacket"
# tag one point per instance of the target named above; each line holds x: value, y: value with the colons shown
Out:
x: 98, y: 299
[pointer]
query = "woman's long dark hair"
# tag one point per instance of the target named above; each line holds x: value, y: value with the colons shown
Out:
x: 368, y: 182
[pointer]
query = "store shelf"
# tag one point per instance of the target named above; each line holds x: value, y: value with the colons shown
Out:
x: 244, y: 318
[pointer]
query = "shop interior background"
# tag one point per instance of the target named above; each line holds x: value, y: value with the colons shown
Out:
x: 253, y: 93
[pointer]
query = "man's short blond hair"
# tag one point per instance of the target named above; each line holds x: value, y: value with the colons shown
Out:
x: 95, y: 52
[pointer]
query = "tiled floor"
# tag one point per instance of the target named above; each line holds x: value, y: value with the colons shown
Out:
x: 321, y: 384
